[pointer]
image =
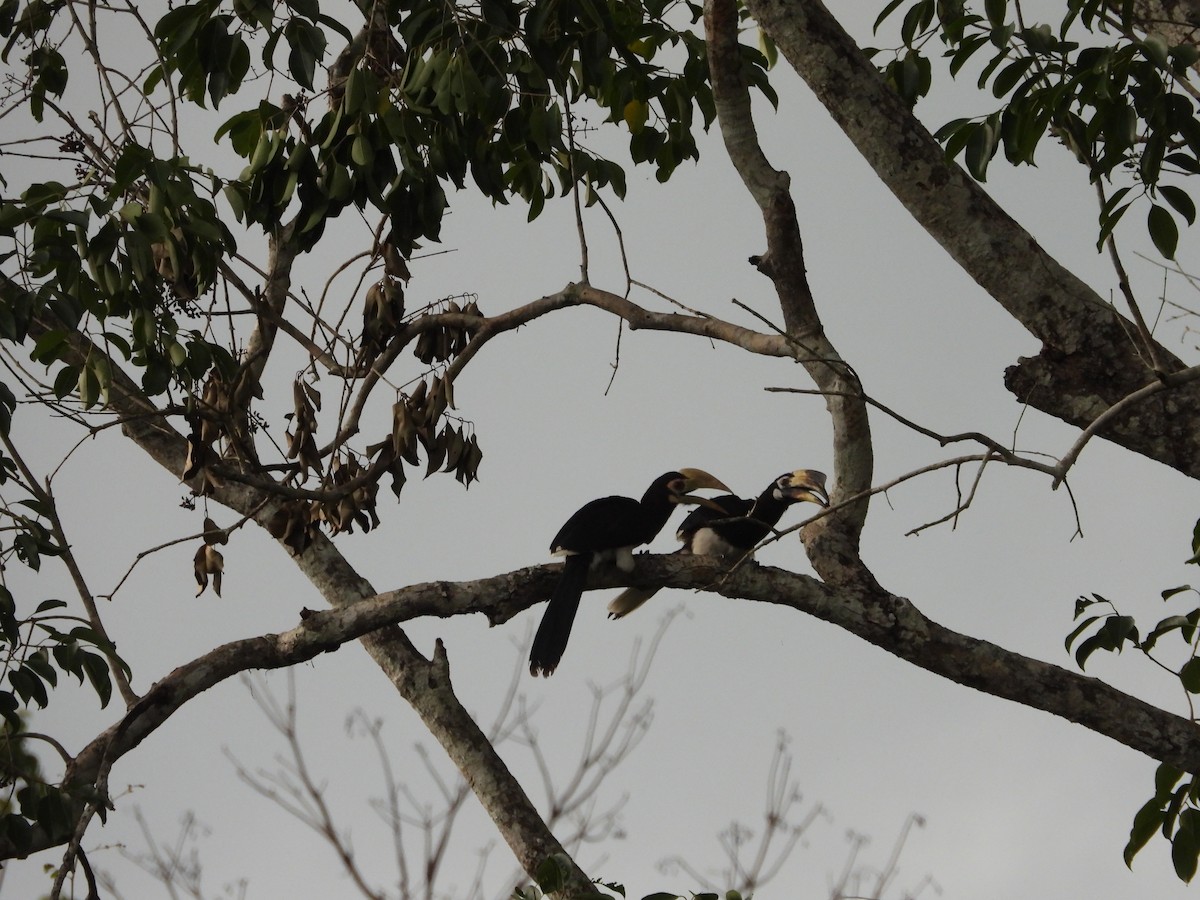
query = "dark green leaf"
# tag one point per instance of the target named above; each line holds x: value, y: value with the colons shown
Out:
x: 1185, y: 847
x: 552, y: 874
x: 96, y: 669
x: 887, y: 11
x: 1163, y: 230
x: 48, y: 346
x: 310, y: 9
x: 1180, y: 201
x: 1167, y: 625
x: 1008, y: 77
x: 981, y: 147
x: 1078, y: 630
x: 1189, y: 676
x: 1166, y: 776
x: 1155, y: 49
x: 28, y: 686
x: 1147, y: 820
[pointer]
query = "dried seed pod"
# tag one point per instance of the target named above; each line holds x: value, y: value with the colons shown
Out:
x: 436, y: 405
x: 455, y: 446
x: 214, y: 534
x: 417, y: 400
x: 427, y: 345
x: 469, y: 467
x: 435, y: 450
x: 399, y: 477
x: 208, y: 561
x: 394, y: 264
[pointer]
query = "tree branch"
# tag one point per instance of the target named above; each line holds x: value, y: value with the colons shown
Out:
x: 1088, y: 361
x: 881, y: 618
x: 832, y: 542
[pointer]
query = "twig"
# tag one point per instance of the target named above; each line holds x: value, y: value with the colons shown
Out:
x: 1149, y: 346
x: 583, y: 245
x: 1174, y: 379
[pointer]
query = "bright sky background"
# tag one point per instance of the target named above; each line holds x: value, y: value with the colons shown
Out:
x: 1016, y: 802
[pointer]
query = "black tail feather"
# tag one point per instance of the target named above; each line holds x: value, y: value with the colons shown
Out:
x: 551, y: 639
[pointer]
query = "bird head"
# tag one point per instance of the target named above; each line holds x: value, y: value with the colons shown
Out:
x: 687, y: 480
x: 801, y: 485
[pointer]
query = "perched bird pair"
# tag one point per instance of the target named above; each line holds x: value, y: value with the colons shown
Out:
x: 609, y: 528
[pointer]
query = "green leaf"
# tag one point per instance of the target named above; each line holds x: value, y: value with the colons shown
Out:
x: 1078, y: 630
x: 1146, y: 821
x: 1180, y: 201
x: 308, y: 48
x: 551, y: 875
x: 916, y: 21
x: 1166, y: 626
x: 1163, y: 230
x: 96, y: 669
x: 887, y: 11
x: 48, y: 346
x: 981, y: 147
x: 1166, y: 776
x: 310, y: 9
x: 1185, y: 848
x: 28, y: 686
x: 1008, y: 77
x: 1189, y: 676
x: 1156, y: 49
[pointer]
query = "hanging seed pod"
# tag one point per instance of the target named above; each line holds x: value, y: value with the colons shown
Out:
x: 291, y: 525
x: 455, y: 448
x: 399, y: 477
x: 208, y: 561
x: 394, y: 264
x: 436, y: 404
x: 426, y: 349
x: 469, y: 466
x: 365, y: 498
x: 436, y: 453
x: 416, y: 402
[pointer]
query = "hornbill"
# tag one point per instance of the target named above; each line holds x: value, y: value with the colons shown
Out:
x: 606, y: 529
x: 731, y: 527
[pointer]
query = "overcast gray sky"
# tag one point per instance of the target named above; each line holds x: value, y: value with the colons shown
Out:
x: 1016, y: 802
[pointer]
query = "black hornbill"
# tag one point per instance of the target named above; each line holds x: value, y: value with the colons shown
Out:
x: 605, y: 529
x: 736, y: 529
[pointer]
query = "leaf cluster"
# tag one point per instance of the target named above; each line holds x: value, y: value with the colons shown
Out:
x: 1174, y: 810
x: 1117, y: 101
x: 30, y: 802
x: 495, y: 92
x: 34, y: 650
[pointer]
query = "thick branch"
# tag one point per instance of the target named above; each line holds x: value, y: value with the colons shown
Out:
x: 1088, y: 361
x: 883, y: 619
x: 833, y: 542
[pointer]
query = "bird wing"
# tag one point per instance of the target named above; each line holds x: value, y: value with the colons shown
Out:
x: 598, y: 525
x: 731, y: 507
